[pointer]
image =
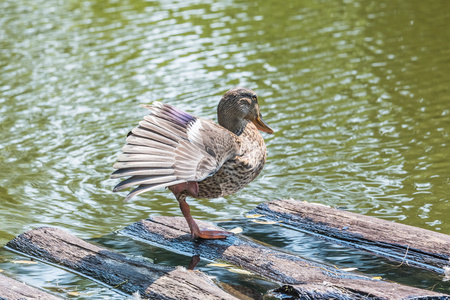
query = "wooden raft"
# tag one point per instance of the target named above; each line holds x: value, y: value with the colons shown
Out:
x: 11, y: 289
x: 307, y: 279
x: 403, y: 243
x: 128, y: 274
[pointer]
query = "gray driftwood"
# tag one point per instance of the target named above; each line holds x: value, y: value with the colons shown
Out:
x: 117, y: 270
x: 403, y: 243
x: 11, y: 289
x: 303, y: 277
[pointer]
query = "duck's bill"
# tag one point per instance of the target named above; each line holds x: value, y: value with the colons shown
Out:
x: 261, y: 125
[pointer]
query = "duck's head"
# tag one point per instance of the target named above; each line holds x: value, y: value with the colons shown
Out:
x: 238, y: 107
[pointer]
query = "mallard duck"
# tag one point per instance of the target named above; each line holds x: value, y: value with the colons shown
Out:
x: 195, y: 157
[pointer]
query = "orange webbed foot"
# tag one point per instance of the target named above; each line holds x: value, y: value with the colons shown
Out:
x: 208, y: 234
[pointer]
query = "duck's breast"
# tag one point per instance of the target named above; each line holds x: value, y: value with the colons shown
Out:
x: 238, y: 171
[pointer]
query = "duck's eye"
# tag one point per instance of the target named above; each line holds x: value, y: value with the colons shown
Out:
x: 255, y: 98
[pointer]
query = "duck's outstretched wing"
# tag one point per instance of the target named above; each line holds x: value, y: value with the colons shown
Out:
x: 170, y: 147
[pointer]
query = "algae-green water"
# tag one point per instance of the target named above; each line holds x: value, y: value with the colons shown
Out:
x: 357, y: 92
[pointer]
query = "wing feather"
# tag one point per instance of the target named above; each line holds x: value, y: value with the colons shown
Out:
x: 141, y: 172
x: 144, y: 164
x: 142, y: 188
x: 146, y: 149
x: 149, y: 139
x: 171, y: 146
x: 134, y: 180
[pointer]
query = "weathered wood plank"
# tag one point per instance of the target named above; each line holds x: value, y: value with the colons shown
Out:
x: 303, y: 276
x: 128, y: 274
x: 11, y: 289
x: 403, y: 243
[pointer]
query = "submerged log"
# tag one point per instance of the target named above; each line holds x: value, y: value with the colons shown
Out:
x: 128, y: 274
x: 11, y: 289
x: 403, y: 243
x: 303, y: 277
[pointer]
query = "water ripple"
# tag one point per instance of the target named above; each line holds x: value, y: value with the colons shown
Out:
x: 359, y: 108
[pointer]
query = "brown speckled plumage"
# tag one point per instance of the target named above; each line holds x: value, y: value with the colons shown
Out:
x: 239, y: 171
x: 195, y: 157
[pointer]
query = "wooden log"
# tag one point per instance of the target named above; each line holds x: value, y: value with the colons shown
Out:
x: 128, y: 274
x: 11, y: 289
x: 307, y: 278
x: 403, y: 243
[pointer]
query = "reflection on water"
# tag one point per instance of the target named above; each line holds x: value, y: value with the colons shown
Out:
x: 356, y: 90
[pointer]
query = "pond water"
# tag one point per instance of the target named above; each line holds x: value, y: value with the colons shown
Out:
x: 356, y: 91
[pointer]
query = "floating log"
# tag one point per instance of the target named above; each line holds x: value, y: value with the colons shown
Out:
x: 403, y: 243
x: 11, y: 289
x: 303, y: 277
x: 128, y: 274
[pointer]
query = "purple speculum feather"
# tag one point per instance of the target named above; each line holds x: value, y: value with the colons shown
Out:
x: 180, y: 117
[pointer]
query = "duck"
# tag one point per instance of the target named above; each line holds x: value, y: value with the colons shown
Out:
x: 195, y: 157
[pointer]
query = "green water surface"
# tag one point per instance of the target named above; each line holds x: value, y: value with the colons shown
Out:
x: 356, y: 90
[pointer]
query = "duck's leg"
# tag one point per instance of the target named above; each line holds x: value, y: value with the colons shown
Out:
x: 195, y: 231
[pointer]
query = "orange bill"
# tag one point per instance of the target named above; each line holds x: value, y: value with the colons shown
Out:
x: 261, y: 124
